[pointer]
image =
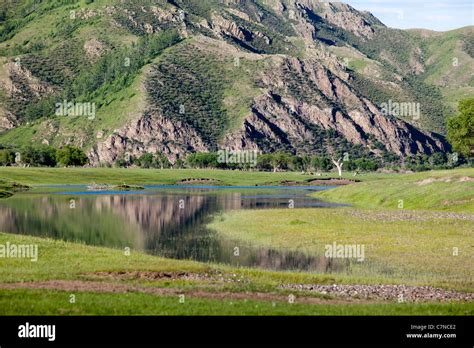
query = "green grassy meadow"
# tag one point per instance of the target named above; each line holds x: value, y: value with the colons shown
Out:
x: 51, y: 176
x: 255, y: 294
x: 409, y: 224
x: 410, y: 246
x: 57, y: 303
x: 451, y: 190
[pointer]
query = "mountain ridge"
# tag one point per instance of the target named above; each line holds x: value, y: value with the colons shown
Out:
x: 298, y: 76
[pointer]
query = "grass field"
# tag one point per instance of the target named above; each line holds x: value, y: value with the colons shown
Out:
x: 398, y: 247
x: 451, y: 190
x: 412, y: 246
x: 93, y: 274
x: 42, y: 176
x: 57, y: 303
x: 410, y: 226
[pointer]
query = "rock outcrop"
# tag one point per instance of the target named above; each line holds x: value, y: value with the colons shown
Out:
x: 298, y: 95
x: 280, y: 117
x: 149, y: 133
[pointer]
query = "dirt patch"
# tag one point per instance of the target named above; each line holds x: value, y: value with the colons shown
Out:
x: 464, y: 201
x: 445, y: 180
x: 103, y: 287
x: 168, y: 276
x: 198, y: 181
x: 331, y: 182
x: 289, y: 183
x: 337, y: 294
x: 429, y: 181
x: 399, y: 293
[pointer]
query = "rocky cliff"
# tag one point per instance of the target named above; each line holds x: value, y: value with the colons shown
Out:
x: 265, y: 75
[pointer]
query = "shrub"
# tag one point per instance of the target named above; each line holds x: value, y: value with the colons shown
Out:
x: 366, y: 165
x: 322, y: 163
x: 7, y: 157
x: 203, y: 160
x: 39, y: 156
x: 461, y: 128
x: 71, y: 156
x: 264, y: 162
x: 145, y: 161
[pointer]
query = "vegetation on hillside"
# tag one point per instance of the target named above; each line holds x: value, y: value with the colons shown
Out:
x: 198, y: 86
x: 92, y: 82
x: 461, y: 129
x: 188, y: 85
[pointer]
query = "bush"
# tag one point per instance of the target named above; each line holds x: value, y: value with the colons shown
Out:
x: 203, y: 160
x: 71, y: 156
x: 322, y: 163
x: 43, y: 156
x: 161, y: 161
x: 264, y: 162
x: 300, y: 163
x: 366, y: 165
x: 149, y: 160
x: 145, y: 161
x: 7, y: 157
x: 461, y: 128
x: 437, y: 159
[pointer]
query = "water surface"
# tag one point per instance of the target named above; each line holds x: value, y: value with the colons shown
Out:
x: 168, y: 221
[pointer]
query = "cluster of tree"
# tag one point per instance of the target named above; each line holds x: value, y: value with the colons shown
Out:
x: 80, y: 81
x: 204, y: 160
x: 47, y: 156
x: 281, y: 161
x: 147, y: 160
x: 461, y: 129
x: 43, y: 156
x: 438, y: 160
x: 196, y: 101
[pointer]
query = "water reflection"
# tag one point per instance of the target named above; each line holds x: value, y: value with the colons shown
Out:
x: 165, y: 222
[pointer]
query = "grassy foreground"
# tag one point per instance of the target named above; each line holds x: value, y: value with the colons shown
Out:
x: 400, y: 248
x: 73, y: 268
x: 414, y: 228
x: 445, y: 190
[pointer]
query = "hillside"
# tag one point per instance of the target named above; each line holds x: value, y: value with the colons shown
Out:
x: 183, y: 76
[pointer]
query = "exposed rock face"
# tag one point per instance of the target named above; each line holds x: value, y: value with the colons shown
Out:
x: 7, y: 120
x: 336, y: 13
x: 297, y: 100
x: 222, y: 26
x: 278, y: 119
x: 21, y: 85
x: 281, y: 119
x: 347, y: 18
x: 150, y: 133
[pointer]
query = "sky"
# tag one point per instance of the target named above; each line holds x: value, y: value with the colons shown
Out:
x: 436, y: 15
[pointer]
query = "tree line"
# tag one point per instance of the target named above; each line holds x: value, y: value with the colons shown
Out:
x: 43, y: 156
x: 278, y: 161
x: 67, y: 156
